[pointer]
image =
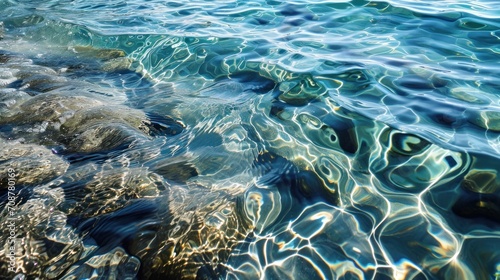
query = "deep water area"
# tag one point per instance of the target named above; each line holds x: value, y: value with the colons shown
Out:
x: 253, y: 139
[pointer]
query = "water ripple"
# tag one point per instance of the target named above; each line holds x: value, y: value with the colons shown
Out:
x: 251, y: 140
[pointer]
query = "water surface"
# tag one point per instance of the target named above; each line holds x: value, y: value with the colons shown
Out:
x: 251, y: 139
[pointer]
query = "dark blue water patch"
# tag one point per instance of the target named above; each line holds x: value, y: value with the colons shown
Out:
x: 18, y: 84
x: 159, y: 125
x: 298, y: 188
x: 80, y: 158
x: 332, y: 131
x: 178, y: 171
x: 336, y: 46
x: 414, y: 82
x: 4, y: 56
x: 450, y: 161
x: 76, y: 159
x: 475, y: 23
x: 345, y: 132
x: 454, y: 118
x: 6, y: 130
x: 291, y: 10
x: 207, y: 272
x: 304, y: 92
x: 478, y: 208
x: 308, y: 188
x: 278, y: 110
x: 252, y: 133
x: 295, y: 22
x: 398, y: 153
x: 354, y: 79
x: 443, y: 16
x: 258, y: 21
x: 118, y: 228
x: 270, y: 166
x: 398, y: 62
x: 485, y: 263
x: 470, y: 202
x: 483, y: 38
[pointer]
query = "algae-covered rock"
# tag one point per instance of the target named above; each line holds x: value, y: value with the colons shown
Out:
x: 117, y: 64
x: 105, y: 54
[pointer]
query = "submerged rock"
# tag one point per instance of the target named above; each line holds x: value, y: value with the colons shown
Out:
x: 110, y: 190
x: 117, y: 64
x: 45, y: 246
x: 43, y: 83
x: 92, y: 52
x: 479, y: 191
x: 487, y: 119
x: 103, y: 137
x: 177, y: 170
x: 50, y: 107
x: 32, y: 164
x: 27, y: 70
x: 115, y: 264
x: 10, y: 98
x: 81, y: 123
x: 92, y: 115
x: 196, y: 236
x: 102, y: 128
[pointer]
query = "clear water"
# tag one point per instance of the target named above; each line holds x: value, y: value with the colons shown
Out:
x: 251, y: 139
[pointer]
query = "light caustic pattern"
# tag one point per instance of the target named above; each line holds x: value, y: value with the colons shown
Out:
x: 267, y: 140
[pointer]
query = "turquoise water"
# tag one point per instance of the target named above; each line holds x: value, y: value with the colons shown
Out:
x: 250, y: 140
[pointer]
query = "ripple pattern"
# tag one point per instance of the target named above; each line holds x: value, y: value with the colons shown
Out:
x: 251, y: 140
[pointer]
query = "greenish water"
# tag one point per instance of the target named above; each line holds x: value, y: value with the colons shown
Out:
x: 250, y: 140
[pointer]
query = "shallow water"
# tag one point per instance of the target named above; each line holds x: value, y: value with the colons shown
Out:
x: 250, y: 140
